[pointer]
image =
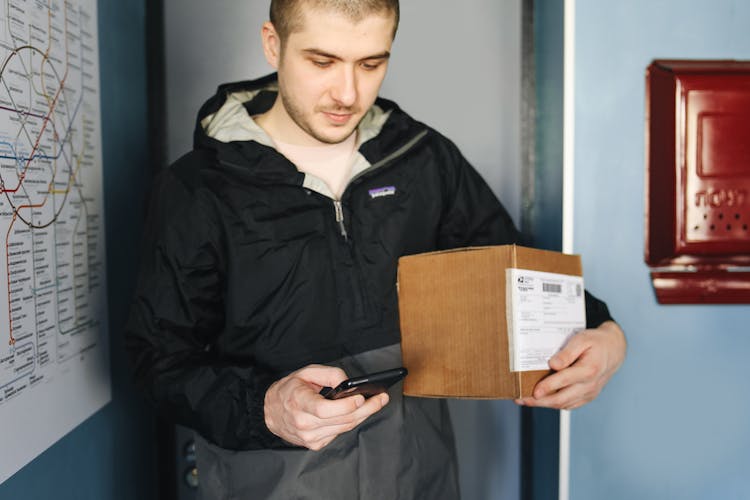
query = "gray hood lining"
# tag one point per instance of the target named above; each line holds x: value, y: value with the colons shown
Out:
x: 232, y: 123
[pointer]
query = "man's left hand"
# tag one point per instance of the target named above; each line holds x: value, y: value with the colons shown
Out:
x: 582, y: 368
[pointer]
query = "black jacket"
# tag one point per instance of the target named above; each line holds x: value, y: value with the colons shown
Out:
x: 249, y: 272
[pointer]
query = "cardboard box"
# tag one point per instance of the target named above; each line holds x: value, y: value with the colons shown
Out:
x: 454, y: 328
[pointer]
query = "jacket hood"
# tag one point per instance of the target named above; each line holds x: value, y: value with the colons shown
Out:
x: 225, y: 123
x: 227, y: 116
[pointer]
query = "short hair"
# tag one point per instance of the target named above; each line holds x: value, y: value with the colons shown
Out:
x: 286, y: 15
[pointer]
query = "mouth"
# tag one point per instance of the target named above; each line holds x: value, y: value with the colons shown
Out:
x: 338, y: 118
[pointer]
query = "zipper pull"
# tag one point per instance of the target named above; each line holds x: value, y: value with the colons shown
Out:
x: 340, y: 218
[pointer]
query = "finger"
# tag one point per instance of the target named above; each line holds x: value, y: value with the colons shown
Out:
x: 309, y: 400
x: 332, y: 408
x: 323, y: 436
x: 371, y: 405
x: 559, y: 400
x: 569, y: 376
x: 576, y: 346
x: 347, y: 410
x: 320, y: 430
x: 322, y: 375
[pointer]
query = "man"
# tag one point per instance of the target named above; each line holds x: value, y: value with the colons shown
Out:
x: 269, y: 272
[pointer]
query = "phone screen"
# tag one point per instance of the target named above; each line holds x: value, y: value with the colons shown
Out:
x: 366, y: 385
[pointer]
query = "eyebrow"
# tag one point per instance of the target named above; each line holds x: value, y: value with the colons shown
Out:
x: 323, y: 53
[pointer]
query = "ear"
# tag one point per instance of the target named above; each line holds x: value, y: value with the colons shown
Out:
x: 271, y: 44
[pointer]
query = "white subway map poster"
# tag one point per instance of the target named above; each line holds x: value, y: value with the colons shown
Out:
x: 54, y: 359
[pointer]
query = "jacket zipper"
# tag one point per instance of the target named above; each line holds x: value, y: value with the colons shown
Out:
x: 399, y: 152
x: 375, y: 166
x: 340, y: 218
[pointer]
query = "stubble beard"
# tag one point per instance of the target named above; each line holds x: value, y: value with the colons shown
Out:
x: 298, y: 117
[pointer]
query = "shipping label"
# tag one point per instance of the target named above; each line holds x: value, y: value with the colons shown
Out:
x: 543, y: 310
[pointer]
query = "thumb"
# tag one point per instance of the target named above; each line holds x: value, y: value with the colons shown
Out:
x: 321, y: 375
x: 568, y: 355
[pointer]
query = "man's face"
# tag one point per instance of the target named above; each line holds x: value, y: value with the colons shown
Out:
x: 330, y: 73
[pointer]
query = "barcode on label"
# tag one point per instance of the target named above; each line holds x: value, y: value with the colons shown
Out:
x: 552, y: 287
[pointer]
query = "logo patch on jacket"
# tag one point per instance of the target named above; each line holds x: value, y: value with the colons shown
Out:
x: 382, y: 191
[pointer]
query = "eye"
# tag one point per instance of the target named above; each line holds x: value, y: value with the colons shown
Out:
x: 371, y: 65
x: 321, y: 63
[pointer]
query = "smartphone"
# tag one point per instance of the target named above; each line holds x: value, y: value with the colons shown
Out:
x: 366, y: 385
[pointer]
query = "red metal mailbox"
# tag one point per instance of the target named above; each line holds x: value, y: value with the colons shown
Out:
x: 698, y: 180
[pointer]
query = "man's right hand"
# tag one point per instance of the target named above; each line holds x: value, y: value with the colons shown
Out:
x: 295, y: 411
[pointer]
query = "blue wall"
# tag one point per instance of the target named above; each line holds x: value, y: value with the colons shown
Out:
x: 675, y: 422
x: 110, y: 456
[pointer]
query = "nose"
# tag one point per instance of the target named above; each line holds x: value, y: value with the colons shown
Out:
x: 344, y: 89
